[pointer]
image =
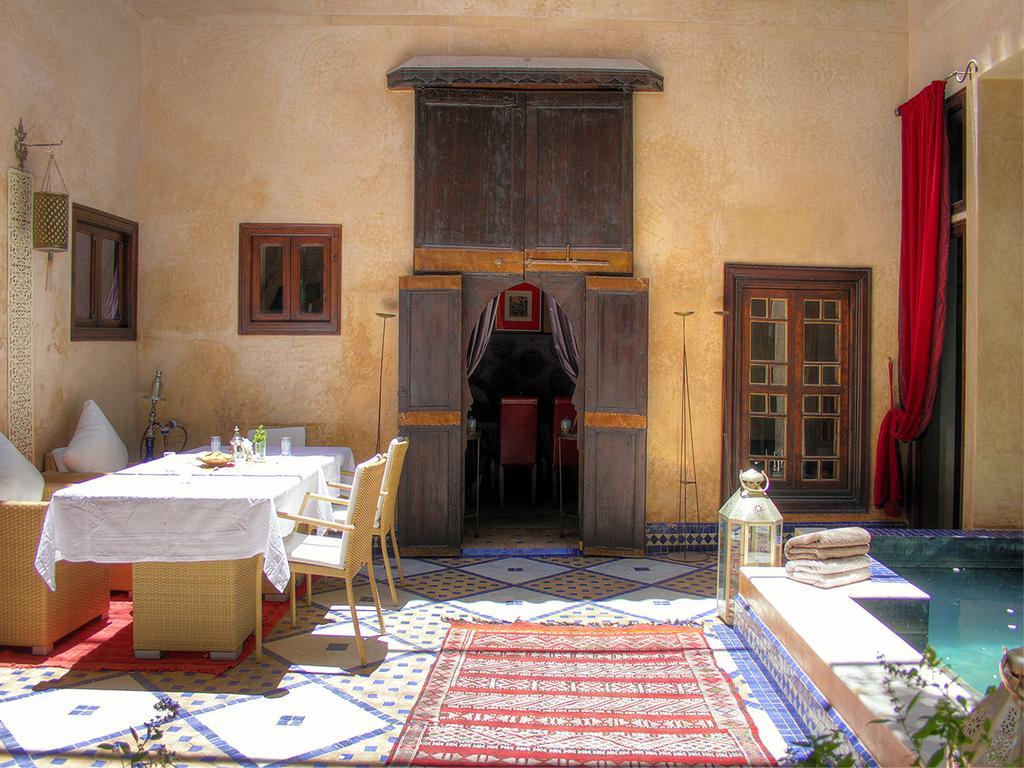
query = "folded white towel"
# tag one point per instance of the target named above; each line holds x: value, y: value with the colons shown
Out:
x: 830, y: 537
x: 828, y: 567
x: 825, y: 553
x: 827, y: 581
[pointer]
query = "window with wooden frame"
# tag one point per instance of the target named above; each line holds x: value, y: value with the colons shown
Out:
x: 289, y: 278
x: 104, y: 275
x: 796, y: 399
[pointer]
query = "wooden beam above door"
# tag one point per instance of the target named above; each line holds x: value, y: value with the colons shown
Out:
x: 486, y: 261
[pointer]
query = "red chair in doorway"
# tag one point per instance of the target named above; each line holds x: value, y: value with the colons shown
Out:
x: 570, y: 457
x: 517, y: 438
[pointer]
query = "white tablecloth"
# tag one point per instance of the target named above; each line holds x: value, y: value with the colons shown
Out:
x: 173, y: 510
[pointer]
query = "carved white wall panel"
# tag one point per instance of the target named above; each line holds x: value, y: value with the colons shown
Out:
x: 19, y: 311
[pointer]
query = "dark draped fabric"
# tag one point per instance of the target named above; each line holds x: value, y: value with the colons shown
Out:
x: 563, y: 338
x: 922, y: 304
x: 481, y: 335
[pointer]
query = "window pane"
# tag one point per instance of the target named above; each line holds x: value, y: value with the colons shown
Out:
x: 811, y: 404
x: 819, y: 437
x: 811, y: 374
x: 758, y: 404
x: 829, y: 404
x: 828, y: 470
x: 777, y: 404
x: 830, y: 375
x: 83, y: 278
x: 767, y: 436
x: 778, y: 309
x: 812, y: 309
x: 759, y: 374
x: 809, y: 470
x: 779, y: 375
x: 110, y: 281
x: 820, y: 342
x: 768, y: 341
x: 759, y: 307
x: 271, y: 279
x: 831, y: 309
x: 311, y: 279
x: 776, y: 468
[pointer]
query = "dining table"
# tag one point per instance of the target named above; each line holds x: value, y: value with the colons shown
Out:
x: 202, y: 541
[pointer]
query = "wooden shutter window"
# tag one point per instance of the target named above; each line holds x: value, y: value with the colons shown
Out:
x: 289, y: 279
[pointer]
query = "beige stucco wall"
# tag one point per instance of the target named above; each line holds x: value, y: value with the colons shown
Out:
x: 71, y: 71
x: 943, y: 36
x: 999, y: 440
x: 774, y: 142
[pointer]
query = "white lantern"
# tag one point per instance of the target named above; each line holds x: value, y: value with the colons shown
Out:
x: 749, y: 534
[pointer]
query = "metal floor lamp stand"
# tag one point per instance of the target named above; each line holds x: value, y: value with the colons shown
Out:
x: 687, y: 456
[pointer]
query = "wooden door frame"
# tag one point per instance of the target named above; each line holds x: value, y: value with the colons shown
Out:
x: 569, y: 290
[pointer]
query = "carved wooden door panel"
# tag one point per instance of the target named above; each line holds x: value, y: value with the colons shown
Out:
x: 431, y: 368
x: 615, y: 423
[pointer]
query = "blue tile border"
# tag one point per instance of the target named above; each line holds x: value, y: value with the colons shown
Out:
x: 809, y: 704
x: 662, y: 538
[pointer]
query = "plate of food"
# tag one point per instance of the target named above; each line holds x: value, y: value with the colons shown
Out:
x: 216, y: 459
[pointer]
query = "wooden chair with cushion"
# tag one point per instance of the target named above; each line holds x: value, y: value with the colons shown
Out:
x: 31, y: 615
x: 344, y: 556
x: 517, y: 441
x: 384, y: 524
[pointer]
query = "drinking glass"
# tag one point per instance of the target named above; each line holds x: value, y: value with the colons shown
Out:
x: 215, y: 443
x: 286, y: 446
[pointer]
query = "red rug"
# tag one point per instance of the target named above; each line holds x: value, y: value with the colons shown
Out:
x: 108, y: 645
x: 527, y: 694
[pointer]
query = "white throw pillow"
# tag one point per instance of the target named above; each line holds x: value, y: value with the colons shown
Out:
x: 19, y: 480
x: 58, y: 459
x: 96, y: 446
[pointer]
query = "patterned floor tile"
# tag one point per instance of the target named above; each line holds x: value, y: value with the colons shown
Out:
x: 582, y: 585
x: 515, y: 570
x: 642, y: 569
x: 449, y: 584
x: 310, y: 701
x: 701, y: 582
x: 63, y: 718
x: 304, y: 722
x: 659, y: 605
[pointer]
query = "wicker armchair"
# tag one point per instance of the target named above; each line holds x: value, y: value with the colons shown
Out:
x: 342, y: 556
x: 384, y: 523
x: 30, y: 613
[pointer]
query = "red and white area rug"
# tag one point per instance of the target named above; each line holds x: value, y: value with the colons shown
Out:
x: 529, y: 694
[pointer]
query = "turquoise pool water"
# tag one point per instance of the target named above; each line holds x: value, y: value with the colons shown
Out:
x: 974, y: 613
x: 976, y: 582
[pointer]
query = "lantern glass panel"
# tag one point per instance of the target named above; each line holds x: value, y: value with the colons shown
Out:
x: 759, y: 545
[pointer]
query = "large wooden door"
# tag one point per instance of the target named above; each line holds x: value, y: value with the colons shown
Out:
x: 615, y: 423
x: 431, y: 367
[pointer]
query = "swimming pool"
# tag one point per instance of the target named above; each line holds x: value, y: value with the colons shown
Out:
x: 976, y: 586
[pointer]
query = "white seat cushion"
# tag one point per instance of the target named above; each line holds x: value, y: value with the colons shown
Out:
x: 96, y: 446
x: 316, y: 550
x: 274, y: 435
x: 19, y: 479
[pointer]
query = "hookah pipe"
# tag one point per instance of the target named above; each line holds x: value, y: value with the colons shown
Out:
x: 149, y: 437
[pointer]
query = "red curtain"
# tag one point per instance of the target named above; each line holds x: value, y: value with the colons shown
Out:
x: 924, y: 251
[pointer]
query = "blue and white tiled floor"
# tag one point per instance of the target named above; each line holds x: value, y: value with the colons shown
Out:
x: 308, y: 700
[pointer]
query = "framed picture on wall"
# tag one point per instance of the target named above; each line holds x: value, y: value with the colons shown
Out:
x: 519, y: 309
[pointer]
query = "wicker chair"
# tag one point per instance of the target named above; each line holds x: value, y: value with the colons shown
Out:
x: 384, y: 524
x: 344, y: 556
x: 30, y: 613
